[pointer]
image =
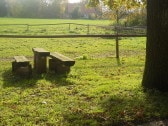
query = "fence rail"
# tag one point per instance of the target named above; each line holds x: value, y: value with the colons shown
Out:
x: 117, y: 32
x: 76, y: 36
x: 55, y: 24
x: 68, y: 36
x: 75, y: 28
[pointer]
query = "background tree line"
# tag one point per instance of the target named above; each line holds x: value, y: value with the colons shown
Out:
x: 133, y: 15
x: 42, y: 9
x: 32, y: 8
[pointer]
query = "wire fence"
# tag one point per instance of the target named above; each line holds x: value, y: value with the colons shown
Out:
x: 67, y: 29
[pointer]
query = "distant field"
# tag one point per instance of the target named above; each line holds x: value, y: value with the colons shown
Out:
x: 52, y: 26
x: 50, y: 21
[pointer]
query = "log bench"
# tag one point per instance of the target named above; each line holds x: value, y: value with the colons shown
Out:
x: 60, y: 63
x: 21, y: 66
x: 40, y: 60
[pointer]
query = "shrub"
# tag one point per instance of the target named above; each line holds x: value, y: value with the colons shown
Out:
x: 137, y: 19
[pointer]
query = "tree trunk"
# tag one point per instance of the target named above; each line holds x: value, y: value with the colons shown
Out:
x: 156, y: 65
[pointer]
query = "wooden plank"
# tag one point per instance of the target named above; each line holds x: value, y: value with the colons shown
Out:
x: 66, y: 60
x: 68, y: 36
x: 41, y: 51
x: 21, y: 59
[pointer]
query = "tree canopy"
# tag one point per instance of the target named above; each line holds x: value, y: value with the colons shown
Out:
x: 115, y: 4
x: 119, y: 8
x: 32, y: 8
x: 46, y: 9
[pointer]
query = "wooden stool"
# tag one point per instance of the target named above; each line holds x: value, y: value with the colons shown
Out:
x: 21, y: 66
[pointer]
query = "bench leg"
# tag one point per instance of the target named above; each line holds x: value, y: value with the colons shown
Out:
x: 52, y: 65
x: 24, y: 71
x: 40, y: 63
x: 30, y: 69
x: 58, y: 67
x: 14, y: 66
x: 62, y: 69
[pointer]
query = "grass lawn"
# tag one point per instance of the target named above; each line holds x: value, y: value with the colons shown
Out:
x: 99, y: 90
x: 46, y: 27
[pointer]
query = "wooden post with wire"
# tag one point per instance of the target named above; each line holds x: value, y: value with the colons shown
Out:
x: 88, y: 29
x: 69, y: 26
x: 117, y: 44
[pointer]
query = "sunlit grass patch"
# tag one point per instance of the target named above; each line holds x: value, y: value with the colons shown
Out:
x: 99, y: 90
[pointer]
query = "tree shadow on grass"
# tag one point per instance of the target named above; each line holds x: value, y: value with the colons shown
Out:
x: 110, y: 115
x: 126, y: 108
x: 82, y: 118
x: 12, y: 80
x: 157, y: 104
x: 57, y: 79
x: 134, y: 109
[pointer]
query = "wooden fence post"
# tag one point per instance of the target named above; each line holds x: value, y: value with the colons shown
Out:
x: 69, y: 26
x: 88, y: 29
x: 117, y: 44
x: 27, y: 27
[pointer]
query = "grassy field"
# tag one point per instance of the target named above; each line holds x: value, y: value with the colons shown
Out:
x: 37, y: 27
x: 99, y: 90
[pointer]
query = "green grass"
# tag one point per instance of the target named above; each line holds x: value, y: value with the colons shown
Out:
x: 52, y: 29
x: 99, y: 90
x: 51, y: 21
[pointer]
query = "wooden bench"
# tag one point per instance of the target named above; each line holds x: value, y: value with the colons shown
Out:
x: 21, y: 66
x: 40, y: 60
x: 60, y: 63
